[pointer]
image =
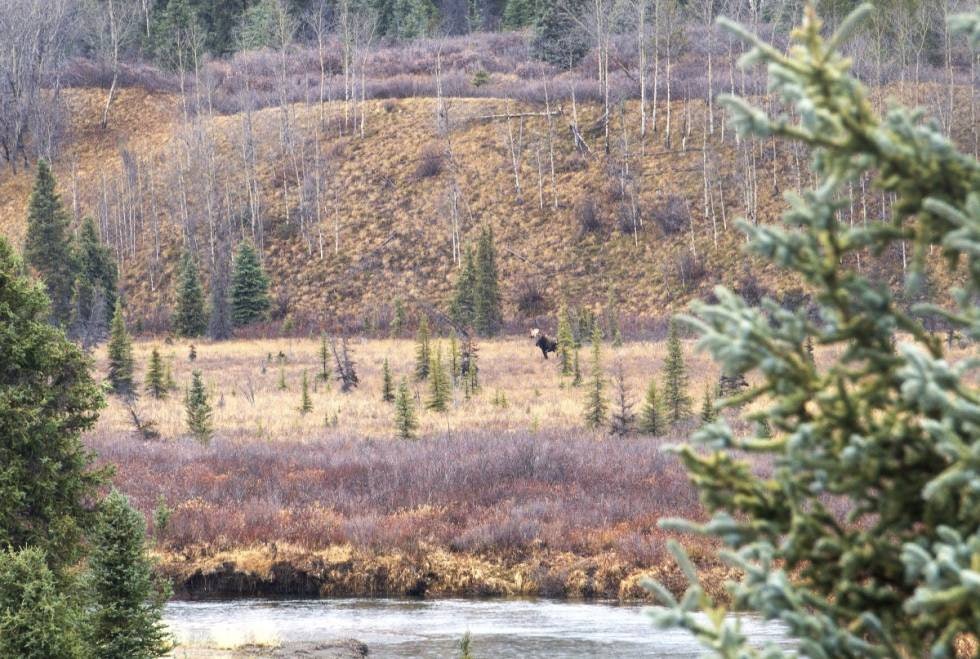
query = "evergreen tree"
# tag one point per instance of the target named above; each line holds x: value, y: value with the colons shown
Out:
x: 259, y: 25
x: 566, y: 341
x: 198, y: 409
x: 809, y: 351
x: 324, y: 373
x: 576, y: 371
x: 47, y: 247
x: 520, y: 13
x: 470, y: 369
x: 676, y: 397
x: 120, y: 356
x: 156, y: 375
x: 47, y: 400
x: 127, y: 619
x: 177, y: 33
x: 387, y: 386
x: 190, y: 318
x: 423, y: 352
x: 249, y: 287
x: 463, y: 307
x: 439, y: 386
x: 94, y: 290
x: 595, y: 403
x: 708, y: 411
x: 623, y: 421
x: 586, y: 323
x: 305, y: 405
x: 487, y: 318
x: 652, y: 415
x: 38, y: 620
x: 405, y: 422
x: 559, y: 38
x: 455, y: 359
x: 282, y: 378
x: 398, y: 322
x: 413, y: 18
x: 95, y: 262
x: 888, y: 434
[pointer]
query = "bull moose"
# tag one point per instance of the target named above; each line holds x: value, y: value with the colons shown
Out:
x: 542, y: 341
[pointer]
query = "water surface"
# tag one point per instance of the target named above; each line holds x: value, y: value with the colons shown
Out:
x: 502, y: 629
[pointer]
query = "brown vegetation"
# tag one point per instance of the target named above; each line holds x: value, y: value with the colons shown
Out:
x: 510, y: 497
x: 351, y: 223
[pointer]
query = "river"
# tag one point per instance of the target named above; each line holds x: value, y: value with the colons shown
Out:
x: 500, y: 628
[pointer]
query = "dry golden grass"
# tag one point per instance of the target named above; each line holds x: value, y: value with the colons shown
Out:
x: 238, y: 372
x: 393, y: 231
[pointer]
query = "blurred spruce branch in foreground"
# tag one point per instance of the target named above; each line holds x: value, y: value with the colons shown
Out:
x: 864, y: 539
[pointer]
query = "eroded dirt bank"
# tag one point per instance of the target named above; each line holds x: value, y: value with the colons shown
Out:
x: 270, y: 571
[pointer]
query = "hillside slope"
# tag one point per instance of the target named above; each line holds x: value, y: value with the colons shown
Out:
x: 347, y: 224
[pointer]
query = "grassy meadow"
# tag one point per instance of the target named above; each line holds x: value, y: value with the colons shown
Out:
x: 520, y: 392
x: 493, y: 498
x: 506, y: 493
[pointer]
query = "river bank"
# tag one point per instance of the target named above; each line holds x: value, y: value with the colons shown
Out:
x: 343, y: 571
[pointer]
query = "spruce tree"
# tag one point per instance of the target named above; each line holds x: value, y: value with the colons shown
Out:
x: 405, y: 422
x: 576, y: 371
x: 559, y: 38
x: 190, y: 319
x: 47, y: 400
x: 387, y: 386
x: 623, y: 420
x: 652, y: 415
x: 520, y: 13
x: 398, y: 321
x: 463, y: 307
x: 423, y: 352
x: 156, y: 376
x: 470, y: 369
x: 305, y: 403
x: 94, y: 290
x: 198, y: 409
x: 249, y: 287
x: 677, y: 400
x: 566, y: 341
x: 127, y: 618
x: 47, y: 247
x: 259, y: 27
x: 487, y: 317
x: 595, y: 402
x: 439, y: 386
x: 888, y: 434
x: 708, y: 411
x: 120, y: 356
x: 455, y: 359
x: 38, y: 617
x: 324, y: 373
x: 95, y: 262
